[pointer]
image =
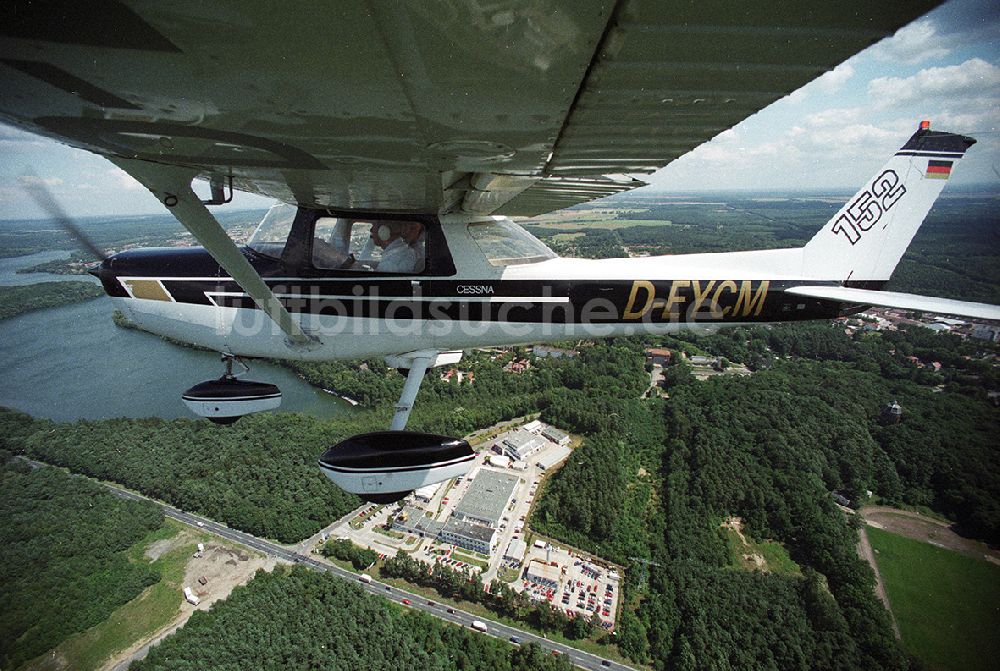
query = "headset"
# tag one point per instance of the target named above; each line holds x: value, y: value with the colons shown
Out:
x: 383, y: 232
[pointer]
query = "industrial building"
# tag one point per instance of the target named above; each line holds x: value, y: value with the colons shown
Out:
x: 560, y: 438
x: 553, y: 456
x: 487, y: 498
x: 521, y: 444
x: 515, y: 550
x: 425, y: 494
x: 412, y: 520
x: 468, y: 535
x: 542, y: 573
x: 534, y: 426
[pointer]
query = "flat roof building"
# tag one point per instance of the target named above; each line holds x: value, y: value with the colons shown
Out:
x: 487, y: 498
x: 413, y: 520
x: 468, y: 535
x: 555, y: 435
x: 552, y: 457
x: 542, y: 573
x: 519, y: 444
x: 515, y: 550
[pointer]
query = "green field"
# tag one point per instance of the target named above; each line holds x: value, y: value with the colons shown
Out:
x: 947, y: 605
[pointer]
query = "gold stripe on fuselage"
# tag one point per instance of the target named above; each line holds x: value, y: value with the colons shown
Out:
x: 148, y: 289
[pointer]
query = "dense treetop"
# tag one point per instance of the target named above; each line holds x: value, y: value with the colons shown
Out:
x: 62, y: 562
x: 301, y: 619
x: 15, y: 300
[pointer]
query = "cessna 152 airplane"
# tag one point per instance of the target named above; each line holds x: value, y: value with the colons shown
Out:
x: 402, y: 137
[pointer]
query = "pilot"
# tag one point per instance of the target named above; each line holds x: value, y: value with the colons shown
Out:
x: 398, y: 256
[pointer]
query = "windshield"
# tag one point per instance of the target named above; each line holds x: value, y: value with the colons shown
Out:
x: 272, y: 233
x: 505, y: 243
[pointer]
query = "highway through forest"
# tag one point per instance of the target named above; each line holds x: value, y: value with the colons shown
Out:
x: 457, y: 616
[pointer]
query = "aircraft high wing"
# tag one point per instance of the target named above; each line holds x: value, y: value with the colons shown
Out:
x: 506, y: 107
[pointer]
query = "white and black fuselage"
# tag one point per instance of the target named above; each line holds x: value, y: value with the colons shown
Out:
x: 469, y: 296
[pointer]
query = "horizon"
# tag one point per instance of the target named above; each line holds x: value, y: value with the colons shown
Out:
x: 961, y: 190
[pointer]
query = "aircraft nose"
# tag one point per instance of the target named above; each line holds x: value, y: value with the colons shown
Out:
x: 95, y: 270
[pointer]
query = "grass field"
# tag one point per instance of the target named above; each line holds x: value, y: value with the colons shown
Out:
x: 774, y: 554
x: 947, y: 605
x: 145, y: 614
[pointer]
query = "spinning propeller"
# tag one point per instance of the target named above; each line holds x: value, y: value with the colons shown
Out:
x: 44, y: 199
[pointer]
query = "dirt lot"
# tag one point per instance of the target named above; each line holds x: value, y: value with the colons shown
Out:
x: 928, y: 530
x: 223, y: 567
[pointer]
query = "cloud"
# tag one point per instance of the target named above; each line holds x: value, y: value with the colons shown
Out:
x: 975, y: 79
x: 828, y: 83
x: 912, y: 44
x: 834, y: 80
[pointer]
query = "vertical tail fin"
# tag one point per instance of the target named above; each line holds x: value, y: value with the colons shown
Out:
x: 865, y: 240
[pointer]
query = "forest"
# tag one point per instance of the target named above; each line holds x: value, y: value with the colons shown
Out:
x: 498, y: 597
x: 301, y: 619
x: 769, y: 449
x: 653, y: 481
x: 62, y: 546
x: 259, y: 476
x: 15, y: 300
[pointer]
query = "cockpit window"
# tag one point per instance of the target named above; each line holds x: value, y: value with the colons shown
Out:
x: 272, y: 233
x: 386, y: 246
x: 504, y: 243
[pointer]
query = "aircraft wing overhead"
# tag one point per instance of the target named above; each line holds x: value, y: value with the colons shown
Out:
x: 512, y: 107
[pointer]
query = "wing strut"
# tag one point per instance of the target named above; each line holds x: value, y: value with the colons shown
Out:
x: 172, y: 186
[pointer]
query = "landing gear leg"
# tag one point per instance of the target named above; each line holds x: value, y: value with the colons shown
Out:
x: 410, y: 388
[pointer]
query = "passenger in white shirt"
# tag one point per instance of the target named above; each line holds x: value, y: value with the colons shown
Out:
x: 397, y: 255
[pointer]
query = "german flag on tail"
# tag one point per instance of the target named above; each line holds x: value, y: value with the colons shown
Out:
x: 938, y: 169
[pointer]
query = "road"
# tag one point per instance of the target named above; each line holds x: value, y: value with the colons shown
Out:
x: 457, y: 616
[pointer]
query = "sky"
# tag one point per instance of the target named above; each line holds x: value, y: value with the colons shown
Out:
x: 832, y: 134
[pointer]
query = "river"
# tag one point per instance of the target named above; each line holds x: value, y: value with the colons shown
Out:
x: 72, y: 362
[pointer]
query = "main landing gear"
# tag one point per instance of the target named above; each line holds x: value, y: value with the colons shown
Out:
x: 385, y: 466
x: 225, y: 400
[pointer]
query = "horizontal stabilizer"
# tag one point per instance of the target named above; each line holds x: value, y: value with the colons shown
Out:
x: 893, y: 299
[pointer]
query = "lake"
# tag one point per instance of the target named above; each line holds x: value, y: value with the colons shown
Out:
x: 72, y: 363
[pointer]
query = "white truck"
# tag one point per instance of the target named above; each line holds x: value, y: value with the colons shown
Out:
x: 191, y: 597
x: 479, y: 625
x: 365, y: 578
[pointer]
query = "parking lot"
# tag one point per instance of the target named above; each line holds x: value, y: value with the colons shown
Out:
x: 585, y: 587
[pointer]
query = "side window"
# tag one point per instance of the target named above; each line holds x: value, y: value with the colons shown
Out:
x: 388, y: 246
x: 504, y: 243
